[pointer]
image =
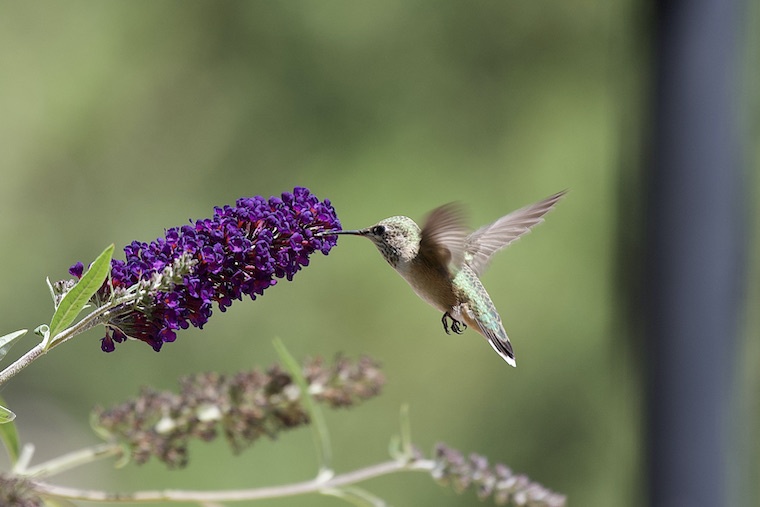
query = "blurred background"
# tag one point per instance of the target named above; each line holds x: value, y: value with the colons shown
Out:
x: 118, y: 120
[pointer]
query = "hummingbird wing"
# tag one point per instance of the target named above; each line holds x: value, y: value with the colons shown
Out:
x: 443, y: 236
x: 484, y: 242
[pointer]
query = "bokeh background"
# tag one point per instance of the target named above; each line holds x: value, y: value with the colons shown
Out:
x: 120, y: 119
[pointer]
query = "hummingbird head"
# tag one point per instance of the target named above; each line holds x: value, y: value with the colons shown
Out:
x: 397, y: 238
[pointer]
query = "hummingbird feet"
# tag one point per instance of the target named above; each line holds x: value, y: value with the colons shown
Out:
x: 457, y: 326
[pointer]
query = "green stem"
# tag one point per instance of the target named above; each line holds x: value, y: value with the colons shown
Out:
x: 320, y: 433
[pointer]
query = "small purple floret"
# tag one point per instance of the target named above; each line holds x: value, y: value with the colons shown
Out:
x: 239, y: 251
x: 77, y: 270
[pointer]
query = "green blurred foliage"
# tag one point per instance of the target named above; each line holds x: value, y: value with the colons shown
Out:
x: 120, y: 119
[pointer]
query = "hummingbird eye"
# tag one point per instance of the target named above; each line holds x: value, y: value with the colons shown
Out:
x: 378, y: 230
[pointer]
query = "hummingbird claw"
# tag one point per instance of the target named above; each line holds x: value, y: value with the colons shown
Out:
x: 445, y: 323
x: 456, y: 328
x: 456, y: 325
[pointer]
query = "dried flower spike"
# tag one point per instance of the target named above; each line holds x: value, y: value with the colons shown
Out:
x: 243, y: 407
x: 239, y: 251
x: 453, y: 468
x: 18, y: 492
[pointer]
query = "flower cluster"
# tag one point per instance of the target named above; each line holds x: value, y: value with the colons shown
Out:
x: 343, y: 384
x: 452, y: 468
x: 239, y: 251
x: 18, y: 492
x: 244, y: 407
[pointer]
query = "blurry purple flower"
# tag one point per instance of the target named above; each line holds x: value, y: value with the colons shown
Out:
x: 77, y: 270
x: 239, y: 251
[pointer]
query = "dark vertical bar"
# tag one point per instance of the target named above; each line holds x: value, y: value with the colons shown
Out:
x: 694, y: 258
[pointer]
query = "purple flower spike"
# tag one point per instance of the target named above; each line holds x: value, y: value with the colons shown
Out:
x: 239, y: 251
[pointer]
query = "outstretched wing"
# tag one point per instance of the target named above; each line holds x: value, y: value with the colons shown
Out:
x: 483, y: 243
x: 443, y: 236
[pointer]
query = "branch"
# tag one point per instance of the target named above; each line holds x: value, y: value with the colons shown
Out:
x: 93, y: 319
x: 22, y: 362
x: 298, y: 488
x: 72, y: 460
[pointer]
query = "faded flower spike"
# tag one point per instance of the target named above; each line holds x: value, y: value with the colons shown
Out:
x: 239, y: 251
x: 244, y: 407
x: 18, y: 492
x: 452, y: 468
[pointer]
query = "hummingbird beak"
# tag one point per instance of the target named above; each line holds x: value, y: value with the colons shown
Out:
x: 362, y: 232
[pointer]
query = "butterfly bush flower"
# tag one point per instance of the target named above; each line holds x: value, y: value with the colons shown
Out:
x: 243, y: 407
x: 451, y: 467
x: 18, y: 492
x: 238, y: 252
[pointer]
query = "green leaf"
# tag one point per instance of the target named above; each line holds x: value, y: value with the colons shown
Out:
x: 8, y: 432
x: 318, y: 424
x: 6, y: 415
x: 51, y: 289
x: 126, y: 456
x: 394, y: 448
x: 400, y: 447
x: 80, y: 294
x: 7, y: 341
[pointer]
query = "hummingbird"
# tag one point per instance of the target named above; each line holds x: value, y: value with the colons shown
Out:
x: 443, y: 262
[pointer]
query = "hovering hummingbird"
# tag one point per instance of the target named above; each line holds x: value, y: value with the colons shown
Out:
x: 443, y: 263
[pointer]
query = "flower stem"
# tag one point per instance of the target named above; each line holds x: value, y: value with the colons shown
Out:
x: 72, y: 460
x: 93, y: 319
x: 22, y: 362
x: 298, y: 488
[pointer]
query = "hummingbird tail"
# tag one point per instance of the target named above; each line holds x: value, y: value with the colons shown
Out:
x: 499, y: 341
